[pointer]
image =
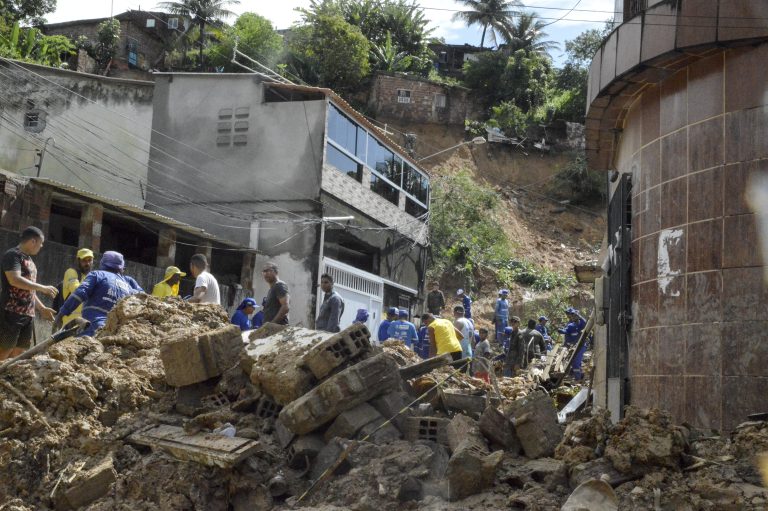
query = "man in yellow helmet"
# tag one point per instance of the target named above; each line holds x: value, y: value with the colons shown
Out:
x: 72, y: 279
x: 170, y: 283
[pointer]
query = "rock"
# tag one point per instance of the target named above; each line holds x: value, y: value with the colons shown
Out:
x: 284, y: 435
x: 349, y: 423
x: 495, y: 426
x: 349, y: 345
x: 327, y: 457
x: 535, y: 420
x: 303, y: 449
x: 584, y: 438
x: 409, y: 490
x: 596, y: 469
x: 379, y: 434
x: 461, y: 429
x: 470, y: 471
x: 89, y: 486
x: 341, y: 392
x: 189, y: 358
x: 390, y: 405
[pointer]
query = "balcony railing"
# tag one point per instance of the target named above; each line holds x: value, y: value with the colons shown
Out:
x: 634, y: 7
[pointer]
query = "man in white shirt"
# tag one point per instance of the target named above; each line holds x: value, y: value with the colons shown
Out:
x: 206, y: 286
x: 467, y: 330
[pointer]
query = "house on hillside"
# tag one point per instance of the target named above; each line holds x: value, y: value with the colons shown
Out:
x: 145, y: 37
x: 297, y: 174
x: 677, y: 116
x: 450, y: 58
x: 94, y: 131
x: 414, y: 99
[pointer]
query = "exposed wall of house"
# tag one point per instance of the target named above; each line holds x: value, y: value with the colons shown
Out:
x: 227, y: 150
x: 98, y: 129
x: 698, y: 298
x: 425, y: 102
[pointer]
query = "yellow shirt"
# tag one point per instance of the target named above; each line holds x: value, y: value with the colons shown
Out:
x: 162, y: 289
x: 445, y: 336
x: 70, y: 282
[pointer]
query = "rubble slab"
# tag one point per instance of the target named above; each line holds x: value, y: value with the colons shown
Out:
x: 390, y: 405
x: 379, y: 434
x: 341, y: 392
x: 90, y: 486
x: 497, y: 428
x: 535, y: 420
x: 349, y: 423
x: 351, y: 344
x: 471, y: 470
x: 189, y: 358
x: 304, y: 448
x: 427, y: 366
x: 461, y: 429
x: 209, y: 449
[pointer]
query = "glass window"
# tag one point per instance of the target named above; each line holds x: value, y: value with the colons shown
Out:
x: 413, y: 208
x: 379, y: 158
x: 384, y: 189
x: 344, y: 163
x: 415, y: 183
x: 362, y: 136
x: 342, y: 130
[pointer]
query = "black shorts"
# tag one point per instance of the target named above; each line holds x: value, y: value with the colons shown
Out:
x: 15, y: 330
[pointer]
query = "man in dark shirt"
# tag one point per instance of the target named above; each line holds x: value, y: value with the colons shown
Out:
x: 278, y: 300
x: 435, y: 300
x: 18, y: 299
x: 332, y: 307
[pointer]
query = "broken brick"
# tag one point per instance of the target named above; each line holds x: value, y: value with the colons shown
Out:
x: 350, y: 345
x: 499, y: 430
x: 535, y: 420
x: 348, y: 423
x: 189, y: 358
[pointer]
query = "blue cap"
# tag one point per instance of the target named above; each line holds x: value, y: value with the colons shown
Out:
x: 248, y: 302
x: 571, y: 310
x: 362, y: 316
x: 504, y: 292
x: 392, y: 311
x: 543, y: 318
x: 508, y: 330
x: 112, y: 261
x: 403, y: 313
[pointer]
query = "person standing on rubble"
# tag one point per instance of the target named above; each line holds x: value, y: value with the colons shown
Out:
x: 572, y: 333
x: 481, y: 363
x: 516, y: 352
x: 332, y: 307
x: 99, y: 292
x: 423, y: 343
x: 466, y: 302
x: 170, y: 283
x: 383, y: 333
x: 435, y: 300
x: 403, y: 330
x: 242, y: 316
x: 443, y: 337
x: 278, y: 300
x: 206, y: 285
x: 501, y: 314
x: 542, y: 328
x: 534, y: 343
x: 467, y: 329
x: 18, y: 298
x: 72, y: 279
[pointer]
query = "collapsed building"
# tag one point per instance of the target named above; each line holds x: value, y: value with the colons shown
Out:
x: 169, y: 407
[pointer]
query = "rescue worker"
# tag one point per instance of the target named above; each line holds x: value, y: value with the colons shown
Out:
x: 99, y: 292
x: 72, y: 279
x: 383, y: 332
x: 534, y: 343
x: 361, y: 316
x: 403, y: 330
x: 242, y: 316
x: 258, y: 319
x: 516, y: 351
x: 435, y: 300
x: 501, y: 313
x: 542, y: 328
x: 423, y: 344
x: 169, y: 286
x: 443, y: 337
x: 466, y: 302
x: 571, y: 333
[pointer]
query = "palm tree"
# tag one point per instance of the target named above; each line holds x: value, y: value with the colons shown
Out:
x: 526, y: 34
x: 202, y: 13
x: 496, y: 15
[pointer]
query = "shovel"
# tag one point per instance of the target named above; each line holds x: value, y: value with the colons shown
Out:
x: 592, y: 495
x: 71, y: 329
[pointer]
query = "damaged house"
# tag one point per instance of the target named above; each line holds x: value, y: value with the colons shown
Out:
x: 299, y: 176
x: 677, y: 113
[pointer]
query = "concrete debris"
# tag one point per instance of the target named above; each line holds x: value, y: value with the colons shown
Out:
x: 155, y: 412
x: 594, y: 495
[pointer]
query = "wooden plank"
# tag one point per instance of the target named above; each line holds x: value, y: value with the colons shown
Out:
x: 206, y: 448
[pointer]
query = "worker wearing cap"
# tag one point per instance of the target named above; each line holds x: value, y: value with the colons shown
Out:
x: 501, y: 313
x: 384, y: 325
x: 170, y: 283
x: 542, y: 328
x: 242, y: 316
x: 72, y: 279
x: 100, y: 291
x: 466, y: 302
x: 403, y: 329
x: 572, y: 333
x: 443, y: 337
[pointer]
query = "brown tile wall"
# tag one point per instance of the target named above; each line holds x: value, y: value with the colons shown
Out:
x: 700, y: 335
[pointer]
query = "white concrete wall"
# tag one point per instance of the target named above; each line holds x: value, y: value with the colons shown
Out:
x: 100, y: 129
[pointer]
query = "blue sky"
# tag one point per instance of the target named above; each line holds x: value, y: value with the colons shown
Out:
x: 587, y: 14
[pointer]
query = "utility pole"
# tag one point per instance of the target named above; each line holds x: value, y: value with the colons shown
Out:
x: 41, y: 154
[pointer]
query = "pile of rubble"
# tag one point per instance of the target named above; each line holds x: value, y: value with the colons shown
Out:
x: 171, y: 408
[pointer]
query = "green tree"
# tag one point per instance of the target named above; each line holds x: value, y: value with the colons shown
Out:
x: 26, y: 10
x: 386, y: 57
x: 582, y: 48
x: 107, y: 42
x: 330, y: 52
x: 526, y: 33
x: 255, y: 37
x: 202, y: 13
x: 30, y: 45
x: 495, y: 16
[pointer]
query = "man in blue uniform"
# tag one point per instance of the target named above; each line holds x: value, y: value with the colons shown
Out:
x: 403, y: 329
x: 501, y: 313
x: 384, y: 325
x: 100, y: 291
x: 544, y: 331
x: 466, y: 302
x: 572, y: 332
x: 242, y: 316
